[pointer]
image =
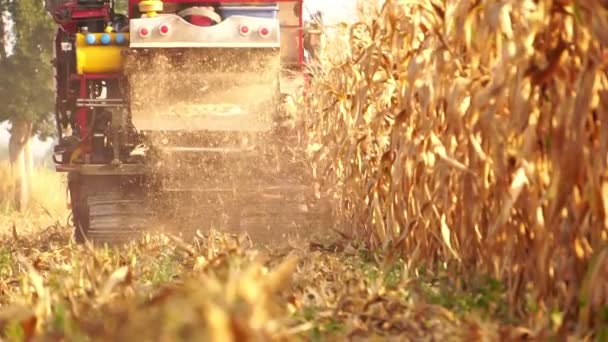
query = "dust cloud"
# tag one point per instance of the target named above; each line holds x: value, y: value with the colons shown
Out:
x: 221, y: 157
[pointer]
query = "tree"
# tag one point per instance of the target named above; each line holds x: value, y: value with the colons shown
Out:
x: 120, y: 6
x: 3, y: 36
x: 26, y: 90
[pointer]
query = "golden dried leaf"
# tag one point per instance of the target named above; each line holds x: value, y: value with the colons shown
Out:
x: 120, y: 276
x: 446, y: 236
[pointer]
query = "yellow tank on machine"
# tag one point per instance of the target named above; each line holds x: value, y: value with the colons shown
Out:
x: 100, y: 52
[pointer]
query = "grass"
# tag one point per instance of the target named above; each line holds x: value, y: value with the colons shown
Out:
x: 47, y: 205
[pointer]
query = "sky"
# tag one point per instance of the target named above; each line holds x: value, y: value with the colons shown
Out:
x: 333, y: 11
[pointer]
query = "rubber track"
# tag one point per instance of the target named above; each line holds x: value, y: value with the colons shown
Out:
x: 116, y: 218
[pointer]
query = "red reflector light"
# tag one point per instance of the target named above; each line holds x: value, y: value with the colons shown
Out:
x: 144, y: 32
x: 244, y: 30
x: 264, y: 32
x: 163, y: 29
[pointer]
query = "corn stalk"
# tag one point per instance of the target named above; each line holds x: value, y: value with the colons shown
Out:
x: 469, y: 132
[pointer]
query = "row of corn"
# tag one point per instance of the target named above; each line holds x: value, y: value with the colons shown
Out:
x: 472, y: 134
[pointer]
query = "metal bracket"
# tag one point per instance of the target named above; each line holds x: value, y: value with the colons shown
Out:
x: 90, y: 103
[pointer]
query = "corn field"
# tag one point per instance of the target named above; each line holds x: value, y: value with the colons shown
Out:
x: 459, y: 146
x: 467, y: 135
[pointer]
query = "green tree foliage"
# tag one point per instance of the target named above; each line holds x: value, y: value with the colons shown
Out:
x: 120, y: 6
x: 3, y: 13
x: 27, y: 90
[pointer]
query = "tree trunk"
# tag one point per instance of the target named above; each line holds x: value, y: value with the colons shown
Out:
x: 21, y: 132
x: 28, y: 156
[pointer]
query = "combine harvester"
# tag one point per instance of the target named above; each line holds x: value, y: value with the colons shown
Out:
x: 174, y: 114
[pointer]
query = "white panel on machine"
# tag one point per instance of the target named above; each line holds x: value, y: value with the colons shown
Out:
x: 172, y: 31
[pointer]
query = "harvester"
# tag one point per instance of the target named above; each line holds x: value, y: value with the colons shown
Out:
x: 174, y: 111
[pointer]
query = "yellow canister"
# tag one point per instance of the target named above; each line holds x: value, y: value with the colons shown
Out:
x: 93, y: 56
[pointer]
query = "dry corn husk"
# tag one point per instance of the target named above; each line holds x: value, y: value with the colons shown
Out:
x: 493, y: 114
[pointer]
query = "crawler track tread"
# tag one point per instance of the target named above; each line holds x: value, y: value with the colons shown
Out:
x: 109, y: 210
x: 116, y: 217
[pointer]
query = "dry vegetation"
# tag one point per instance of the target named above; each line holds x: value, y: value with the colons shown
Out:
x: 48, y: 201
x: 215, y: 288
x: 461, y: 143
x: 468, y: 135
